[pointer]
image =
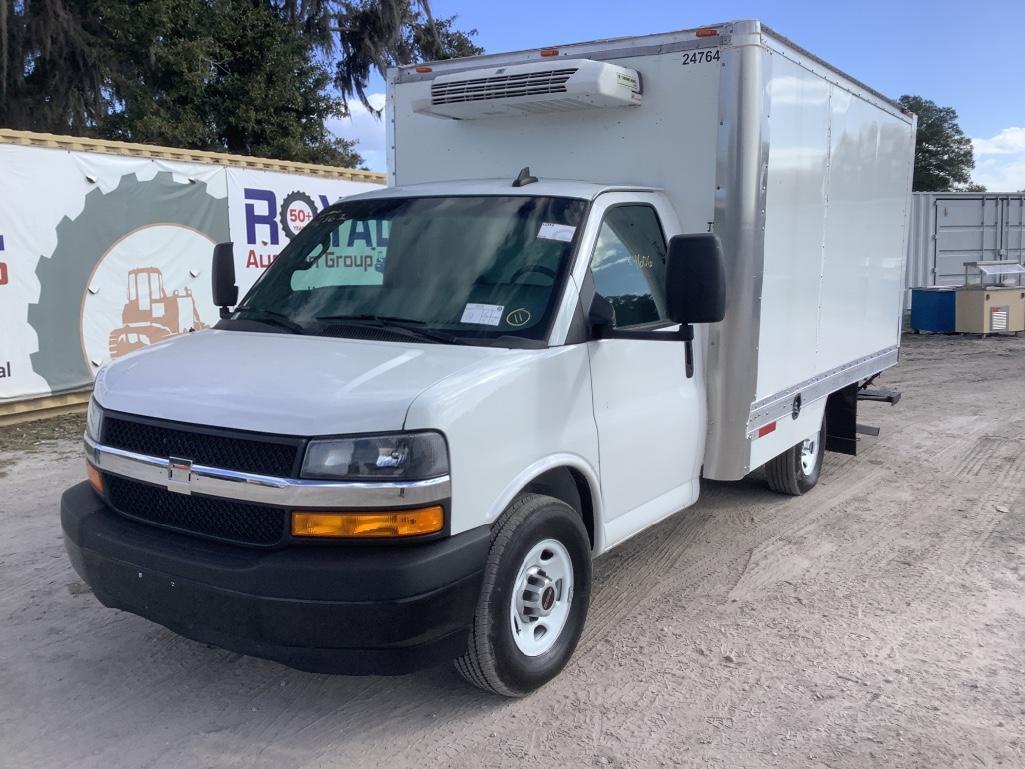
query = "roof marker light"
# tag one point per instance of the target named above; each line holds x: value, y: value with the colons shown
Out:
x: 423, y: 69
x: 549, y: 52
x: 707, y: 32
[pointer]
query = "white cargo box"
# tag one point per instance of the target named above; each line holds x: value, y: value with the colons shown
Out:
x: 802, y: 171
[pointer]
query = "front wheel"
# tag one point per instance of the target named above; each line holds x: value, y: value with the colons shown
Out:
x: 537, y: 586
x: 797, y: 470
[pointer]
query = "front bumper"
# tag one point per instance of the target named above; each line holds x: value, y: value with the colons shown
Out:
x: 354, y: 609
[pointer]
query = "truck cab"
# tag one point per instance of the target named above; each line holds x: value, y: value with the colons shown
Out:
x: 408, y: 440
x: 491, y: 347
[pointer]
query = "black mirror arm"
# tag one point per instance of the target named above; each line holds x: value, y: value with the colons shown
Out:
x: 687, y: 335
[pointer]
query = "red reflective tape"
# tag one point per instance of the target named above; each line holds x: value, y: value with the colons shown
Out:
x: 766, y: 429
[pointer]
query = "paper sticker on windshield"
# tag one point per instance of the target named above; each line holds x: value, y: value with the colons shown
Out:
x: 483, y: 314
x: 551, y: 231
x: 520, y: 317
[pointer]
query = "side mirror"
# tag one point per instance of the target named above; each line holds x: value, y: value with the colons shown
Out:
x: 601, y: 315
x: 223, y: 277
x: 695, y: 279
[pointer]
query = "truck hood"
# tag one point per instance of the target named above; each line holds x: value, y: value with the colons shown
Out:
x: 280, y: 383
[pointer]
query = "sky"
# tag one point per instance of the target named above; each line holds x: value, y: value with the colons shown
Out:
x: 965, y: 55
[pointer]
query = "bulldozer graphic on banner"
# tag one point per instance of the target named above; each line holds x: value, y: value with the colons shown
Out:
x: 151, y: 314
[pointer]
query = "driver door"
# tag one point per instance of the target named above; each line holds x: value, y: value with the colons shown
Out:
x: 650, y: 416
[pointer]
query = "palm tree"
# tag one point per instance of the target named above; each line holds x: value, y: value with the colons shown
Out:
x: 378, y: 34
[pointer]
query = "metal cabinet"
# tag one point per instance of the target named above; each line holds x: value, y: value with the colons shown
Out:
x: 990, y: 310
x: 983, y: 308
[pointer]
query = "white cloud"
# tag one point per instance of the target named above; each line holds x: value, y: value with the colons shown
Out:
x: 1010, y: 141
x: 1000, y: 160
x: 368, y: 130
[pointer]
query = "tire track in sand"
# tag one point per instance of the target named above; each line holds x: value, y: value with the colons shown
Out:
x: 672, y: 560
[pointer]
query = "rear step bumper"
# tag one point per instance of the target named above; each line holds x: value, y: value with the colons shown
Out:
x: 879, y: 394
x: 842, y: 427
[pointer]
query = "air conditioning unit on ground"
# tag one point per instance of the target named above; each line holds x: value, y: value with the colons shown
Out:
x: 558, y: 85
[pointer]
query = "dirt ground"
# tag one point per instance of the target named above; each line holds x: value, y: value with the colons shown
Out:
x: 877, y: 621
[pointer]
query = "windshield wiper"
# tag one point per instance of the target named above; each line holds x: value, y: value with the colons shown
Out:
x: 273, y: 318
x: 410, y: 325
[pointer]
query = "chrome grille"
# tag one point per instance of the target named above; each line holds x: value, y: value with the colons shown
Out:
x: 231, y: 451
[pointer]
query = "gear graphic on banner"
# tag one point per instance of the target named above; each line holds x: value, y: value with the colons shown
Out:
x: 156, y: 227
x: 297, y: 209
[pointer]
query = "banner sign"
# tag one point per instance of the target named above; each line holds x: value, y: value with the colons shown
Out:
x: 101, y: 254
x: 274, y: 210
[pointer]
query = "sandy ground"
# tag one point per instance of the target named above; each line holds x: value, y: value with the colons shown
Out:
x: 878, y: 621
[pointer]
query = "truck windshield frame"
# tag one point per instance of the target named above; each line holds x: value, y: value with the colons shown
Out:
x: 461, y: 269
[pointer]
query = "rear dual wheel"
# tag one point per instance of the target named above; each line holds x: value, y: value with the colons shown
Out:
x: 533, y: 604
x: 797, y: 469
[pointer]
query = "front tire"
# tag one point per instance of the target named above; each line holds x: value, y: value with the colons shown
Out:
x: 797, y: 470
x: 533, y: 604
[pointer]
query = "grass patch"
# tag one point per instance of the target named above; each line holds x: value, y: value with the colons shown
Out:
x: 28, y: 436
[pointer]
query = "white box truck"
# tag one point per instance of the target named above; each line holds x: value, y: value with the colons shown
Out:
x: 408, y: 440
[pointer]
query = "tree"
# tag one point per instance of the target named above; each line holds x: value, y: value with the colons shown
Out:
x: 377, y: 34
x: 223, y: 75
x: 254, y: 77
x: 50, y: 78
x: 231, y: 75
x: 943, y: 153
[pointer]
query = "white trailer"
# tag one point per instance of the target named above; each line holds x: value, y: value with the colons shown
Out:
x: 603, y: 272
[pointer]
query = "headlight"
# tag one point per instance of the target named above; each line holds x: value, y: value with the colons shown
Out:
x: 94, y: 420
x: 399, y: 456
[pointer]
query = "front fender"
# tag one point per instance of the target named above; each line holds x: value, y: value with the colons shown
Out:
x: 551, y: 462
x: 507, y: 420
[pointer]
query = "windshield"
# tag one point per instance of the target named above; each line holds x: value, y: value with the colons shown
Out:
x: 472, y: 268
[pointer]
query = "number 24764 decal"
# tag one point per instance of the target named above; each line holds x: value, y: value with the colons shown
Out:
x: 700, y: 57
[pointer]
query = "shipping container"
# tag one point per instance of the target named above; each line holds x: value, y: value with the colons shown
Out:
x: 951, y: 228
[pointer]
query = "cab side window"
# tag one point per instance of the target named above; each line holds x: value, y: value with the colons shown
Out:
x: 629, y: 265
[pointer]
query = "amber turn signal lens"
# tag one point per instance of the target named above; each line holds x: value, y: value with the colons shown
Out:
x: 400, y: 523
x: 95, y: 479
